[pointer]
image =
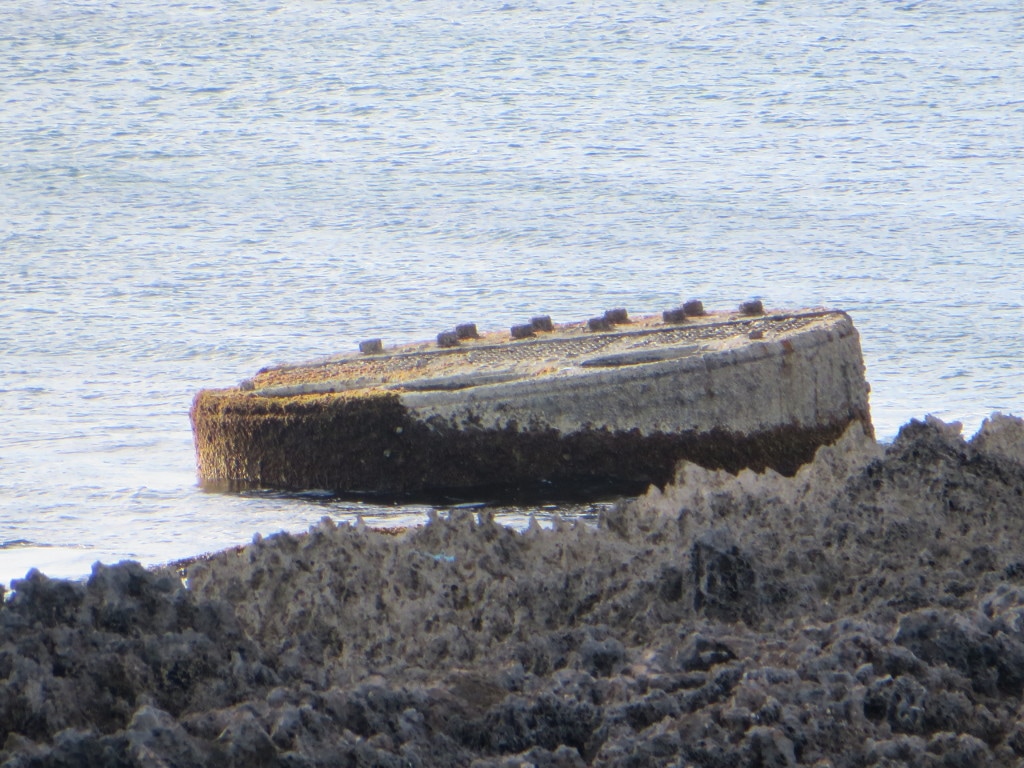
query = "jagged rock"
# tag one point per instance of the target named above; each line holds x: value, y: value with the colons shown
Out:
x: 1001, y: 435
x: 725, y: 581
x: 155, y: 738
x: 868, y: 611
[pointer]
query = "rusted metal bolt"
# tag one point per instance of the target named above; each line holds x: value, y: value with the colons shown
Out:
x: 466, y: 331
x: 599, y: 324
x: 542, y: 323
x: 371, y: 346
x: 617, y: 316
x: 677, y: 315
x: 752, y: 308
x: 447, y: 339
x: 694, y: 308
x: 523, y: 331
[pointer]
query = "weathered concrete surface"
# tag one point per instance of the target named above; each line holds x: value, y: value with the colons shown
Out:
x: 867, y: 612
x: 571, y: 407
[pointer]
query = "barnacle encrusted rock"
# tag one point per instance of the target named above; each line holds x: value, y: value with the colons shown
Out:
x: 868, y: 611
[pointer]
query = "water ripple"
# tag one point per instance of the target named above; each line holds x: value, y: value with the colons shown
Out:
x: 191, y: 193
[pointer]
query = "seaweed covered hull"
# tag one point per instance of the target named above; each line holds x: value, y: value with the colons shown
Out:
x: 317, y: 442
x: 611, y: 411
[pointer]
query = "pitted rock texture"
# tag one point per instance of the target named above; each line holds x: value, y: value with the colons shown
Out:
x: 867, y: 612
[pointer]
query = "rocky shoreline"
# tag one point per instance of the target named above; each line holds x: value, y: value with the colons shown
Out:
x: 867, y: 612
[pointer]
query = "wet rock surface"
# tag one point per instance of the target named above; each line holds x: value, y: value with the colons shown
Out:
x: 867, y: 612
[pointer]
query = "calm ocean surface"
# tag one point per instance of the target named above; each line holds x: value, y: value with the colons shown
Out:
x: 189, y: 192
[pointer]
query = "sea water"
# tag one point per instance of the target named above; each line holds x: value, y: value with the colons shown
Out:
x: 191, y: 191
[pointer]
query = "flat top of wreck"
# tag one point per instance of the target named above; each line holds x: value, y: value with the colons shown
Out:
x: 465, y: 357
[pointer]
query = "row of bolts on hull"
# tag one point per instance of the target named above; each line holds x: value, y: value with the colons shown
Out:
x: 543, y: 323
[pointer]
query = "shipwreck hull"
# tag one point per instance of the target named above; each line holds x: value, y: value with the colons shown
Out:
x: 613, y: 411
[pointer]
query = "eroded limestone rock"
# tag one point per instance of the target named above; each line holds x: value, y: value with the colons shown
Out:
x: 868, y: 611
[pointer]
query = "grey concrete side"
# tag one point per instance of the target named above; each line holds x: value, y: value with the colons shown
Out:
x: 813, y: 378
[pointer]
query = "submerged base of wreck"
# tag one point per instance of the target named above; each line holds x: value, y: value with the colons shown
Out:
x: 614, y: 410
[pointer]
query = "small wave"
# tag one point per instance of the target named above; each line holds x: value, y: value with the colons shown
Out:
x: 21, y: 544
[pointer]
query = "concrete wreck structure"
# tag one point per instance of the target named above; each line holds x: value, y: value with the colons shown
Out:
x: 608, y: 405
